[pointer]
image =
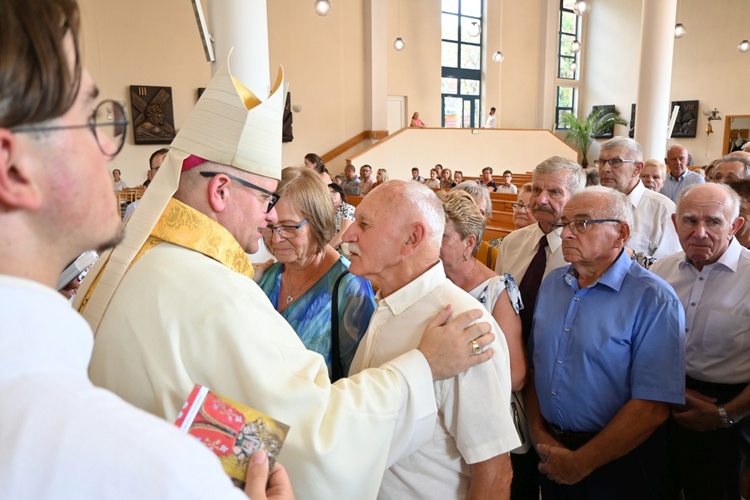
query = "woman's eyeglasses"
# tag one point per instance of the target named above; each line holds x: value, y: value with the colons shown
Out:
x: 286, y: 232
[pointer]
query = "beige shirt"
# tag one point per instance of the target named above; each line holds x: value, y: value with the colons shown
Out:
x: 519, y: 247
x: 474, y: 420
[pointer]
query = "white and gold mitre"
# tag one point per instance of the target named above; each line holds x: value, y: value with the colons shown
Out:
x: 232, y: 126
x: 229, y: 125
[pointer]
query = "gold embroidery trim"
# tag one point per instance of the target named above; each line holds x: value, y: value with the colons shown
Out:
x: 184, y: 226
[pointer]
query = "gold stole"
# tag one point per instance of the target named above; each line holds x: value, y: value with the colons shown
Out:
x: 184, y: 226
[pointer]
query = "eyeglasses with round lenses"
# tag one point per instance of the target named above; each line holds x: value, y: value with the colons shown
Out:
x: 579, y: 226
x: 108, y: 119
x: 614, y: 162
x: 521, y: 206
x: 286, y: 232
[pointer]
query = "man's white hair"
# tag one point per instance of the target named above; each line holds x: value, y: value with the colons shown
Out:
x: 419, y: 199
x: 554, y: 164
x: 477, y: 191
x: 731, y: 205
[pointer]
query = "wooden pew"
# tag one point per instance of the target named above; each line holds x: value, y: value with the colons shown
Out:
x: 492, y: 232
x: 353, y: 200
x: 504, y: 197
x: 502, y: 205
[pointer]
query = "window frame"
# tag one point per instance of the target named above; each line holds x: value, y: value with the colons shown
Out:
x: 564, y: 81
x: 461, y: 74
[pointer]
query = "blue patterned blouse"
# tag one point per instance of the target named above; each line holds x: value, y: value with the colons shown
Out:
x: 310, y: 315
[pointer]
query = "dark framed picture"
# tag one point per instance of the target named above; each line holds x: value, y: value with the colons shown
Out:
x: 153, y: 114
x: 609, y: 132
x: 687, y: 118
x: 631, y: 131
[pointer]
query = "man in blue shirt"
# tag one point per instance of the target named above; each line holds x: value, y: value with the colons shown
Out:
x: 679, y: 177
x: 608, y: 349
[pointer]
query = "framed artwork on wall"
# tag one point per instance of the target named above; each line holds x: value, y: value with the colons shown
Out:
x: 153, y: 114
x: 687, y: 118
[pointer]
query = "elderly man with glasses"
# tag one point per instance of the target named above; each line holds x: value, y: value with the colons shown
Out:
x: 620, y: 164
x: 608, y: 354
x: 731, y: 167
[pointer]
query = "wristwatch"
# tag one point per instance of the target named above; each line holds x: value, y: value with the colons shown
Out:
x: 726, y: 422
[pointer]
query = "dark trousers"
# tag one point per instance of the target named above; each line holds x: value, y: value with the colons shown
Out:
x: 525, y: 485
x: 708, y: 465
x: 641, y: 474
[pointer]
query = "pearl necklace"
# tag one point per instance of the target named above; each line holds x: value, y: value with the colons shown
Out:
x: 290, y: 298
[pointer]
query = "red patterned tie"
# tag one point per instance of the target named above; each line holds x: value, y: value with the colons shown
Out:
x: 529, y: 287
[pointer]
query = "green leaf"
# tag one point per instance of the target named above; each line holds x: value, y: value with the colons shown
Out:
x: 582, y: 131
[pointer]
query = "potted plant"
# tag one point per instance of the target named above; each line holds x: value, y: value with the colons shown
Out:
x: 582, y: 131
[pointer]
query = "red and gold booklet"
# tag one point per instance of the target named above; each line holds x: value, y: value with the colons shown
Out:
x: 231, y: 430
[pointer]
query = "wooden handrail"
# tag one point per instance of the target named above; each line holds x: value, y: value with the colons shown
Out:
x: 349, y: 144
x: 345, y: 146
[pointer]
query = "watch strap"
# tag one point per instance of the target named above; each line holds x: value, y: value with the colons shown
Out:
x: 724, y: 418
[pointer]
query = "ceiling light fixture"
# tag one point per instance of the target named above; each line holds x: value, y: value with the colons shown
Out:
x: 474, y: 29
x: 679, y: 29
x: 322, y: 7
x: 744, y: 45
x: 582, y: 7
x: 399, y: 44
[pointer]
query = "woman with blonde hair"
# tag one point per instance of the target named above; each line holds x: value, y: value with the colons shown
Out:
x: 464, y: 228
x: 380, y: 177
x: 310, y: 285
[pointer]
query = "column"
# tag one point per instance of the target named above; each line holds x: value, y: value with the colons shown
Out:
x: 655, y: 76
x: 376, y: 64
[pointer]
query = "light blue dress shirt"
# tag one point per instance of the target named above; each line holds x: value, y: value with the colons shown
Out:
x: 596, y: 348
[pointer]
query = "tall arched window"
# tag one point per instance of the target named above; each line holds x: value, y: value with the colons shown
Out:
x: 460, y: 87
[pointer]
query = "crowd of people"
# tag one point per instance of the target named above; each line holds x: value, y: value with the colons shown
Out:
x: 599, y: 351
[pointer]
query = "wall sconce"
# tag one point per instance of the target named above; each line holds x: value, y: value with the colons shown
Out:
x: 498, y: 57
x: 679, y: 30
x: 322, y: 7
x: 744, y: 46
